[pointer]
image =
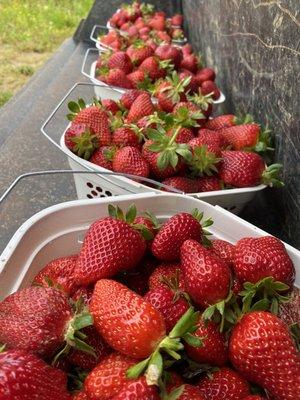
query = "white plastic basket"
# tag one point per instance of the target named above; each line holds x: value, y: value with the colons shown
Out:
x: 57, y: 231
x: 86, y: 186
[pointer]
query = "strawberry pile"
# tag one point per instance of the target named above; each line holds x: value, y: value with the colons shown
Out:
x: 149, y: 311
x: 172, y: 141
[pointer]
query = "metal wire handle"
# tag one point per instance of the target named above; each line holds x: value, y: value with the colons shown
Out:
x: 67, y: 171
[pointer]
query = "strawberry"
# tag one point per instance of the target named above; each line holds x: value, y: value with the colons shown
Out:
x: 205, y: 74
x: 136, y: 390
x: 224, y: 384
x: 203, y: 103
x: 25, y: 376
x: 145, y: 30
x: 84, y: 293
x: 93, y: 117
x: 38, y: 320
x: 187, y: 49
x: 224, y: 250
x: 210, y: 87
x: 138, y: 52
x: 120, y: 60
x: 169, y: 303
x: 241, y: 136
x: 110, y: 105
x: 136, y: 78
x: 133, y: 31
x: 206, y: 276
x: 181, y: 183
x: 205, y: 159
x: 177, y: 20
x: 80, y: 140
x: 129, y: 160
x: 80, y: 396
x: 213, y: 350
x: 102, y: 157
x: 262, y: 349
x: 208, y: 139
x: 253, y: 397
x: 153, y: 68
x: 141, y: 107
x: 169, y: 52
x: 242, y: 169
x: 59, y: 273
x: 110, y: 246
x: 190, y: 62
x: 117, y: 77
x: 257, y: 258
x: 187, y: 392
x: 161, y: 37
x: 126, y: 136
x: 184, y: 135
x: 208, y: 184
x: 108, y: 378
x: 178, y: 229
x: 127, y: 322
x: 222, y: 121
x: 212, y: 137
x: 128, y: 97
x: 193, y: 86
x: 157, y: 23
x: 173, y: 381
x: 177, y: 34
x: 163, y: 273
x: 171, y: 91
x: 89, y: 361
x: 137, y: 279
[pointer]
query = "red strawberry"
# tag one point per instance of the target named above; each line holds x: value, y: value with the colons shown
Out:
x: 153, y: 68
x: 241, y: 136
x: 126, y: 136
x: 108, y: 378
x: 141, y: 107
x: 205, y: 74
x: 171, y: 91
x: 193, y: 86
x: 190, y: 62
x: 136, y: 78
x: 127, y: 322
x: 36, y: 319
x: 80, y: 140
x: 133, y: 31
x: 102, y: 157
x: 138, y: 52
x: 165, y: 272
x: 208, y: 139
x: 82, y: 395
x: 208, y: 184
x: 193, y: 110
x: 182, y: 183
x: 206, y: 276
x: 110, y: 246
x: 173, y: 381
x: 179, y: 228
x: 144, y: 31
x: 189, y: 392
x: 177, y: 20
x: 60, y: 273
x: 224, y: 250
x: 184, y: 135
x: 257, y: 258
x: 187, y: 49
x: 84, y: 293
x: 137, y: 389
x: 120, y: 60
x: 224, y: 384
x: 117, y: 77
x: 169, y: 52
x: 137, y: 279
x: 88, y: 361
x: 157, y: 23
x: 262, y: 349
x: 212, y: 137
x: 162, y: 38
x: 222, y: 121
x: 25, y: 376
x: 213, y: 350
x: 169, y: 302
x: 129, y: 160
x: 210, y: 87
x: 253, y: 397
x: 128, y: 97
x: 110, y: 105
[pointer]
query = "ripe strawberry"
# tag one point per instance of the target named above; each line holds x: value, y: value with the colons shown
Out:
x: 82, y: 395
x: 80, y: 140
x: 205, y: 74
x: 163, y: 273
x: 208, y: 139
x: 188, y: 392
x: 110, y: 105
x: 89, y: 361
x: 208, y: 184
x: 136, y: 390
x: 224, y: 384
x: 102, y: 157
x: 206, y: 276
x: 222, y: 121
x: 127, y: 322
x: 177, y: 34
x: 190, y: 62
x: 243, y: 168
x: 253, y: 397
x: 169, y: 52
x: 137, y: 279
x: 126, y: 136
x: 25, y: 376
x: 128, y: 97
x: 120, y: 60
x: 182, y: 183
x: 169, y: 303
x: 36, y: 319
x: 179, y: 228
x: 133, y: 31
x: 177, y: 20
x: 129, y: 160
x: 212, y: 137
x: 241, y: 136
x: 141, y: 107
x: 110, y: 246
x: 161, y: 37
x: 117, y: 77
x: 171, y: 91
x: 213, y: 350
x: 59, y: 273
x: 257, y: 258
x: 108, y: 378
x: 184, y: 135
x: 193, y: 86
x: 153, y: 68
x: 144, y: 30
x: 138, y: 52
x: 210, y: 87
x: 187, y: 49
x: 84, y: 293
x: 136, y: 78
x: 262, y: 349
x: 224, y: 250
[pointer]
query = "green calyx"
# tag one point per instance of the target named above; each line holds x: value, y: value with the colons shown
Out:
x: 187, y: 118
x: 198, y: 215
x: 138, y: 131
x: 203, y: 162
x: 167, y: 65
x: 2, y: 347
x: 75, y: 108
x: 85, y: 144
x: 171, y: 345
x: 116, y: 121
x: 222, y: 312
x: 147, y: 9
x: 174, y: 395
x: 202, y: 101
x: 243, y: 119
x: 270, y: 176
x: 176, y: 86
x: 264, y: 142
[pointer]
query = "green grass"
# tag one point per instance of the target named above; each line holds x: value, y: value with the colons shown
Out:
x: 30, y: 30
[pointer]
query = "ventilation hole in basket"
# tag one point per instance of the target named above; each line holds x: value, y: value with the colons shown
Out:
x: 89, y: 196
x: 90, y: 185
x: 102, y: 195
x: 94, y: 193
x: 99, y: 189
x: 108, y: 193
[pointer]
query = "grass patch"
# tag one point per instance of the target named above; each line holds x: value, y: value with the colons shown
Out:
x: 30, y: 30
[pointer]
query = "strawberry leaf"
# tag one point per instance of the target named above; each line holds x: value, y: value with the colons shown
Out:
x: 131, y: 214
x: 135, y: 371
x: 74, y: 107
